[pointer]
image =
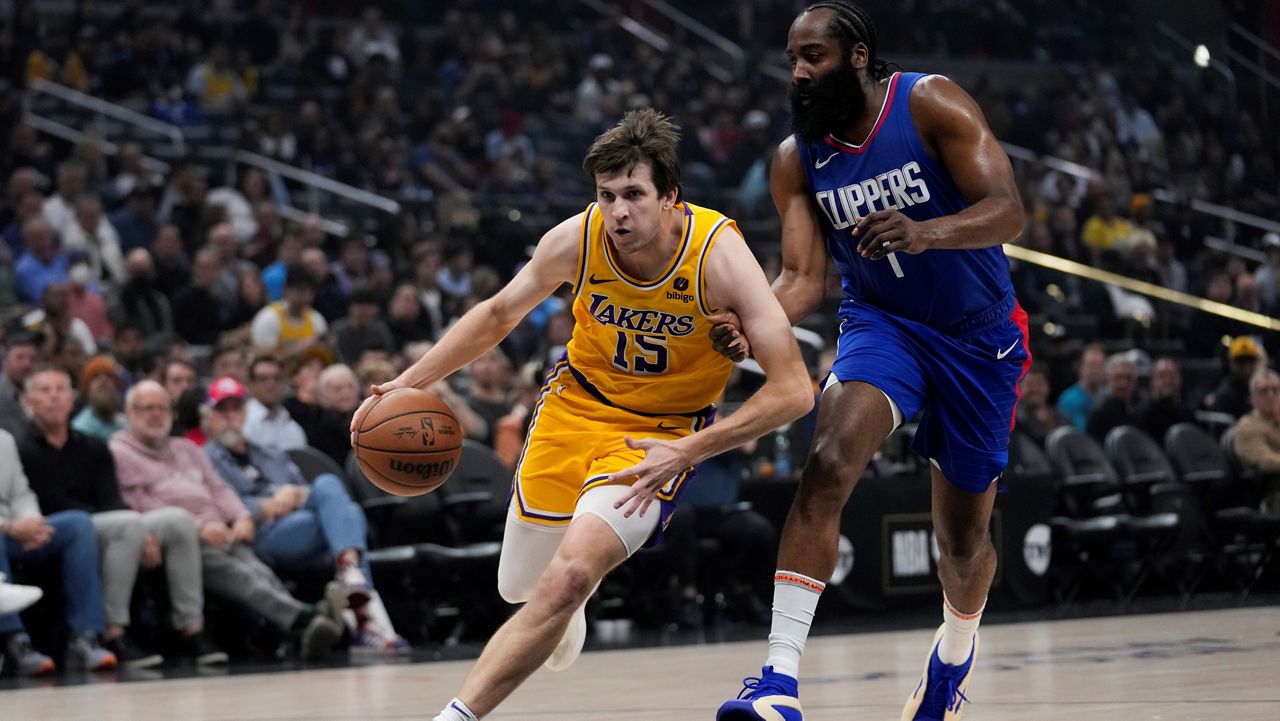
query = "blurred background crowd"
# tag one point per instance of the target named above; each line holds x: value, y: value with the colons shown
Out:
x: 213, y: 249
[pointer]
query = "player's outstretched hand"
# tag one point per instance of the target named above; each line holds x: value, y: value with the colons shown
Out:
x: 376, y: 391
x: 663, y: 460
x: 726, y: 336
x: 888, y: 231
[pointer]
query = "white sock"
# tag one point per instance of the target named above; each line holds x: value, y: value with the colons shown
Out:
x: 958, y: 629
x: 795, y: 598
x: 378, y: 612
x: 456, y: 711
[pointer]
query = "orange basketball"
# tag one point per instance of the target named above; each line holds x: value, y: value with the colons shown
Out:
x: 409, y: 442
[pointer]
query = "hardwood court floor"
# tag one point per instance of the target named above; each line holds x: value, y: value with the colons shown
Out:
x: 1171, y: 667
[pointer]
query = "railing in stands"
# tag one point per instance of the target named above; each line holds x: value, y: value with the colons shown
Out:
x: 1229, y: 216
x: 332, y: 227
x: 1221, y: 211
x: 632, y: 26
x: 1017, y: 152
x: 737, y: 58
x: 111, y: 110
x: 1259, y: 67
x: 1192, y: 50
x: 71, y: 135
x: 316, y: 182
x: 1151, y: 290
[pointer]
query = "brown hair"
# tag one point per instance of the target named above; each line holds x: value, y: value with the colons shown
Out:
x: 262, y: 359
x: 642, y: 135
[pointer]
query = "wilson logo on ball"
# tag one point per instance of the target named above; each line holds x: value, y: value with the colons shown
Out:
x: 425, y: 470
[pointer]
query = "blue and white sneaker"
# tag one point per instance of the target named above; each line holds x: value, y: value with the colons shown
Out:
x: 770, y: 697
x: 940, y: 694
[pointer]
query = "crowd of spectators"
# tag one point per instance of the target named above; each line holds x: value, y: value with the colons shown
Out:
x: 479, y: 109
x: 172, y: 312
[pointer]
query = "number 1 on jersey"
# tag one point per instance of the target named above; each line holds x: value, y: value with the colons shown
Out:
x: 649, y: 356
x: 893, y: 261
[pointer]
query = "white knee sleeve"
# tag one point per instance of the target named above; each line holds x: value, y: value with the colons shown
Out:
x: 633, y: 531
x: 527, y: 550
x: 893, y: 406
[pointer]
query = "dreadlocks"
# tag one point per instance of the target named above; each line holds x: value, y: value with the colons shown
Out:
x: 852, y: 25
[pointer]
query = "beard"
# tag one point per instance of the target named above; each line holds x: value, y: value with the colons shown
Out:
x: 230, y: 438
x: 828, y: 104
x: 105, y: 406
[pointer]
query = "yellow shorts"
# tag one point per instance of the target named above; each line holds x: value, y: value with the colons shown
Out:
x: 575, y: 441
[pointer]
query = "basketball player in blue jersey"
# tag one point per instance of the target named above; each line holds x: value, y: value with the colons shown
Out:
x: 898, y: 178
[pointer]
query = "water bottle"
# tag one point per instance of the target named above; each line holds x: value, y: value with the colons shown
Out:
x: 782, y: 453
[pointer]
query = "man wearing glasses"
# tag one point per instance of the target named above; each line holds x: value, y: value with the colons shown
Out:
x: 156, y: 470
x: 1258, y: 436
x: 267, y: 421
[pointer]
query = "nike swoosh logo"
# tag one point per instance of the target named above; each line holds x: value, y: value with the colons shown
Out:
x: 818, y: 164
x: 597, y: 281
x: 664, y: 427
x: 1007, y: 351
x: 767, y: 708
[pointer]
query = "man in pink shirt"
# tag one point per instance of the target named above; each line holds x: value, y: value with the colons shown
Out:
x: 156, y: 470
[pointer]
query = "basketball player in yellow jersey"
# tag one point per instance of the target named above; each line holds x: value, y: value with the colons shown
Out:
x: 623, y: 418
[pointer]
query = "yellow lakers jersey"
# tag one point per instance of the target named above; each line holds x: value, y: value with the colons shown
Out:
x: 644, y: 345
x: 291, y: 330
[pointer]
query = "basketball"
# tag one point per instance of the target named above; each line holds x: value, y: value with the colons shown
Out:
x: 409, y: 442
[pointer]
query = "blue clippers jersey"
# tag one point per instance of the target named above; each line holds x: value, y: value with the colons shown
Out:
x: 943, y: 289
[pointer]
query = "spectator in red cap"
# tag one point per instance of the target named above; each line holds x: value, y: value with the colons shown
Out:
x: 297, y: 521
x: 156, y: 470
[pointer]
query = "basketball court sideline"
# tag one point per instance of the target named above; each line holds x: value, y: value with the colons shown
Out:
x: 1171, y: 667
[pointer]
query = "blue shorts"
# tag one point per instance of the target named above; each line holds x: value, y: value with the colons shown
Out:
x: 965, y: 383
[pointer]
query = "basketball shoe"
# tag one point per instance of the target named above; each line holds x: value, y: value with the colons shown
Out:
x: 940, y: 694
x: 15, y: 597
x: 770, y: 697
x: 570, y: 646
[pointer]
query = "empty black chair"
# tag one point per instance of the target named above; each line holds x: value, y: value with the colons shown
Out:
x: 1140, y: 463
x: 1206, y: 465
x: 398, y: 520
x: 1249, y: 535
x: 1245, y: 477
x: 1090, y: 542
x: 1026, y: 459
x: 1197, y: 457
x: 450, y: 586
x: 1090, y: 485
x: 1183, y: 560
x: 477, y: 492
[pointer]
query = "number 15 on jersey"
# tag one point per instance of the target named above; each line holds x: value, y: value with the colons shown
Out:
x: 641, y: 353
